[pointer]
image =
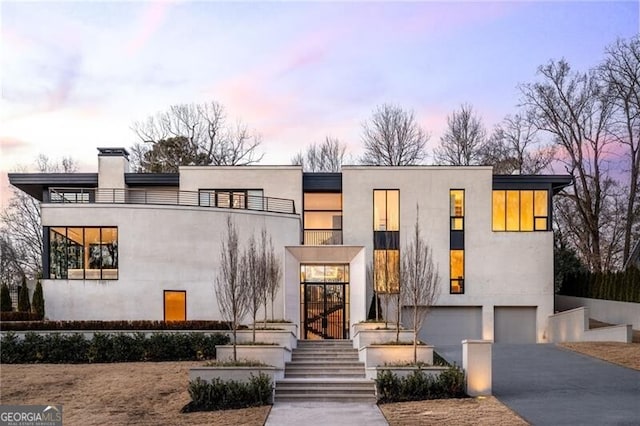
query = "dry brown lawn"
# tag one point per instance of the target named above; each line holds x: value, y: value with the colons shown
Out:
x: 153, y: 393
x: 625, y: 354
x: 469, y: 411
x: 119, y: 394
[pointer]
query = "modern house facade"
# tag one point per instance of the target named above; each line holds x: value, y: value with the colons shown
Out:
x: 126, y: 246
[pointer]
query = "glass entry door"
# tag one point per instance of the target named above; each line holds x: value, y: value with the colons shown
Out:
x: 324, y: 300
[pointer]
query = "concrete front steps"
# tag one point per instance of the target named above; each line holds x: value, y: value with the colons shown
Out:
x: 324, y: 370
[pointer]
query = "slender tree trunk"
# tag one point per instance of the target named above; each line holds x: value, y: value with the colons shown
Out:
x: 254, y: 326
x: 235, y: 354
x: 415, y: 334
x: 398, y: 318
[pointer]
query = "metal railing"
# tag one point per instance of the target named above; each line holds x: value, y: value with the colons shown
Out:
x: 325, y: 237
x: 170, y: 198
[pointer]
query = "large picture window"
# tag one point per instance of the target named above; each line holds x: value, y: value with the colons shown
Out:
x: 79, y: 253
x: 520, y: 210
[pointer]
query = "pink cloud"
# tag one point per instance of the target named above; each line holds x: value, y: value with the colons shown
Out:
x: 152, y: 18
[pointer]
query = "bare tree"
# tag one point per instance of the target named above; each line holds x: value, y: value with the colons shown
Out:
x: 514, y: 148
x: 274, y: 275
x: 464, y: 140
x: 205, y: 136
x: 620, y: 71
x: 21, y: 226
x: 575, y: 109
x: 254, y: 267
x: 420, y: 280
x: 231, y: 294
x: 392, y: 137
x: 327, y: 156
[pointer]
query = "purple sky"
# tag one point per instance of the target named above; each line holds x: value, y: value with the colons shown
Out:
x: 75, y: 75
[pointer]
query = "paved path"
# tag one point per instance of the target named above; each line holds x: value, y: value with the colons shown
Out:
x: 548, y: 385
x: 325, y: 414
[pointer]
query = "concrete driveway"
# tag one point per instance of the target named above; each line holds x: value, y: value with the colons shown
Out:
x: 547, y: 385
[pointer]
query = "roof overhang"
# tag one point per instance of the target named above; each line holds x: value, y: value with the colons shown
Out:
x: 324, y: 254
x: 35, y: 184
x: 555, y: 182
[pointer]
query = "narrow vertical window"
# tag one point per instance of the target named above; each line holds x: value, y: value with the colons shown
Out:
x: 513, y: 210
x: 456, y: 207
x: 456, y: 269
x: 386, y: 264
x: 499, y: 211
x: 540, y: 213
x: 386, y: 210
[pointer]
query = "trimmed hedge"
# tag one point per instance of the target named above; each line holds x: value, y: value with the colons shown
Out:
x: 621, y: 286
x: 103, y: 348
x: 230, y: 394
x: 106, y: 325
x: 16, y: 316
x: 419, y: 386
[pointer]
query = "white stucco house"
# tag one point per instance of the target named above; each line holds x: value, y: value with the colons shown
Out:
x: 126, y: 246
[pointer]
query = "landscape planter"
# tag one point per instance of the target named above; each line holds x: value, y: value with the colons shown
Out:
x: 372, y: 372
x: 279, y: 337
x: 240, y: 374
x: 370, y: 325
x: 379, y: 355
x: 287, y: 326
x: 371, y: 337
x: 275, y: 356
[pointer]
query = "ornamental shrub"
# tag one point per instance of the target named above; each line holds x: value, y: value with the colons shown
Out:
x: 38, y: 301
x: 419, y: 386
x: 23, y: 297
x: 5, y: 299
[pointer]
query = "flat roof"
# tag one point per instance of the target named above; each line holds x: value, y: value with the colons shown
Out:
x: 35, y: 183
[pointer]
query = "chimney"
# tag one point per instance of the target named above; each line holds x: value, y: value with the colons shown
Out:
x: 113, y: 163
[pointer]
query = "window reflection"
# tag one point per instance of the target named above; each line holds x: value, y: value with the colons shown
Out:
x: 386, y: 271
x: 83, y: 253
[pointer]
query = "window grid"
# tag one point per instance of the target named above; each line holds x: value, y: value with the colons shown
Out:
x: 520, y: 210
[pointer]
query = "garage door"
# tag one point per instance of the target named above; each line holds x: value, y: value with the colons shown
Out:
x: 514, y: 324
x: 449, y: 325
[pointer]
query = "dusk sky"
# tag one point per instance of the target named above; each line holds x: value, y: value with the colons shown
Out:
x: 76, y: 75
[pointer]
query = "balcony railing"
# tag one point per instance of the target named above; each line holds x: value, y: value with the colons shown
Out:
x: 322, y: 237
x: 169, y: 198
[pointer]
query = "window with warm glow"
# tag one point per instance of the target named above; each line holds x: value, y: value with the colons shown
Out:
x: 386, y: 210
x: 456, y: 202
x: 175, y: 305
x: 89, y: 253
x: 520, y: 210
x: 456, y: 269
x: 322, y: 218
x: 386, y: 271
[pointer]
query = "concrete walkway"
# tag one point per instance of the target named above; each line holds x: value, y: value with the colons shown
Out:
x: 548, y: 385
x: 325, y: 413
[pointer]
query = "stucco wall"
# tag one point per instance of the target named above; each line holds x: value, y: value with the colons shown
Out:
x: 610, y: 311
x: 501, y: 268
x: 160, y: 248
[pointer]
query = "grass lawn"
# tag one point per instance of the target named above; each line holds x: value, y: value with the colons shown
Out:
x: 625, y: 354
x: 153, y: 393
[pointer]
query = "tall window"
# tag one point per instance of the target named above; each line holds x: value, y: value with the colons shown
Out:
x: 322, y: 218
x: 456, y: 241
x: 520, y: 210
x: 456, y: 271
x: 386, y: 265
x: 78, y: 253
x: 386, y: 210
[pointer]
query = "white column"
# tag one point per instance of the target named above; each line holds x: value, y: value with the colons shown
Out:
x: 476, y: 362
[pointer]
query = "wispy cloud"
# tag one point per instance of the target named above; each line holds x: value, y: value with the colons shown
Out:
x: 151, y: 20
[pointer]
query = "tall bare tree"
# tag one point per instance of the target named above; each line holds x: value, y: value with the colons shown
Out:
x: 273, y: 277
x: 21, y: 226
x: 254, y: 267
x: 232, y: 296
x: 205, y: 134
x: 464, y: 140
x: 576, y: 110
x: 420, y: 278
x: 620, y: 71
x: 393, y: 137
x: 514, y: 148
x: 327, y: 156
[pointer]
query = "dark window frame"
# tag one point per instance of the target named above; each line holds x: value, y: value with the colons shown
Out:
x: 386, y: 206
x: 459, y: 281
x: 452, y: 217
x: 231, y: 193
x: 304, y: 211
x: 519, y: 190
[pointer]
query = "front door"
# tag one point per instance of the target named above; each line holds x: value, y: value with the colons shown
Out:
x: 324, y: 294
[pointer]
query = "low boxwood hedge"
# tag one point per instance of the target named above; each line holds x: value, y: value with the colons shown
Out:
x: 58, y: 348
x: 229, y: 394
x: 419, y: 386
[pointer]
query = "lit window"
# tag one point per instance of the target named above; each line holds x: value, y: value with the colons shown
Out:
x: 83, y: 253
x: 456, y: 258
x: 520, y: 210
x: 386, y: 271
x: 386, y: 210
x: 175, y: 305
x: 456, y: 201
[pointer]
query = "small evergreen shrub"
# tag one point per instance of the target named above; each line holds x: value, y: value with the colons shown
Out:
x: 23, y: 297
x: 58, y: 348
x: 38, y: 301
x: 5, y: 299
x: 230, y: 394
x: 419, y: 386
